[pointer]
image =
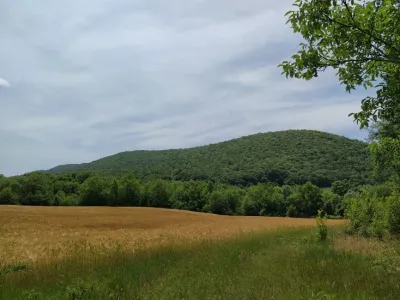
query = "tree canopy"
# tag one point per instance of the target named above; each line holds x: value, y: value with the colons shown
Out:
x: 285, y: 157
x: 358, y: 39
x: 93, y: 189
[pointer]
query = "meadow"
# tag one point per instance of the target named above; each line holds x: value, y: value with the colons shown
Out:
x: 149, y: 253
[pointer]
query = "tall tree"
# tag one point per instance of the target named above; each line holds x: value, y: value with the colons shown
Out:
x: 358, y: 39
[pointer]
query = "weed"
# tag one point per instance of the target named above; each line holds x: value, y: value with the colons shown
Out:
x: 10, y: 268
x: 322, y: 227
x: 82, y: 290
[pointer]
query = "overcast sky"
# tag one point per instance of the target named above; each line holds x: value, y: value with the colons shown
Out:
x: 80, y: 80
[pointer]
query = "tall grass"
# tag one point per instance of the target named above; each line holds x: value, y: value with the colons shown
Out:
x: 287, y: 264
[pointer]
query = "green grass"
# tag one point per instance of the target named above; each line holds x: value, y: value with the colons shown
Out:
x: 287, y: 264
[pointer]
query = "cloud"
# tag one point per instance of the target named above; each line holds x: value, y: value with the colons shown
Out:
x: 4, y: 83
x: 97, y: 78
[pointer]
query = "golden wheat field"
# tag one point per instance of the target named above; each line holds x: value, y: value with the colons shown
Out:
x: 37, y: 233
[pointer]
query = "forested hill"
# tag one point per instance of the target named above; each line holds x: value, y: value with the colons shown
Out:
x: 293, y: 156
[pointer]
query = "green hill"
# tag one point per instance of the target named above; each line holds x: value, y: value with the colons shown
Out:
x: 292, y: 156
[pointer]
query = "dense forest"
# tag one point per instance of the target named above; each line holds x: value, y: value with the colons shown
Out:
x: 284, y: 157
x: 93, y: 189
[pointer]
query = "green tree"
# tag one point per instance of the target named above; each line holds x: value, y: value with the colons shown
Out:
x: 217, y: 203
x: 36, y: 189
x: 306, y: 199
x: 94, y: 191
x: 131, y: 190
x: 341, y: 187
x: 386, y: 158
x: 7, y: 196
x: 252, y: 203
x: 224, y: 201
x: 360, y: 40
x: 156, y: 193
x: 332, y: 203
x: 179, y: 197
x: 114, y: 196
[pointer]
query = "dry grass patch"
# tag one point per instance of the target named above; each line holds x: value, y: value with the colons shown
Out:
x: 37, y: 233
x: 357, y: 244
x: 383, y: 254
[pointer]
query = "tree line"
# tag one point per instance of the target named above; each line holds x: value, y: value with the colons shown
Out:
x: 93, y: 189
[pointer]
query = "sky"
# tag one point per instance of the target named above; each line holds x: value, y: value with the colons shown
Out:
x: 80, y: 80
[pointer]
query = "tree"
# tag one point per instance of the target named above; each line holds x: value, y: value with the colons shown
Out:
x: 385, y: 149
x: 36, y: 189
x: 386, y: 158
x: 156, y: 194
x: 341, y: 187
x: 130, y: 192
x: 7, y: 196
x: 332, y: 203
x: 114, y: 196
x: 224, y: 201
x: 306, y: 199
x: 94, y: 191
x: 360, y: 40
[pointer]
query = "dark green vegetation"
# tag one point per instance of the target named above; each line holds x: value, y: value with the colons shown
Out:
x: 287, y: 264
x: 374, y: 212
x: 91, y: 189
x: 285, y: 157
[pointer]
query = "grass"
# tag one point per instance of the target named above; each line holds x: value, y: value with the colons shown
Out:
x: 34, y: 234
x: 142, y: 253
x: 284, y: 264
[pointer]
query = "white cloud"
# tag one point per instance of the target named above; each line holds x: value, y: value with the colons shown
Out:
x: 101, y: 77
x: 4, y: 82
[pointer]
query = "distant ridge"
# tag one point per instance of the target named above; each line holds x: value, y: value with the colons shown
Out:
x: 291, y: 156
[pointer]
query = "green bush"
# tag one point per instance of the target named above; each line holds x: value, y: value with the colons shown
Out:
x: 322, y: 227
x: 373, y: 212
x: 70, y: 200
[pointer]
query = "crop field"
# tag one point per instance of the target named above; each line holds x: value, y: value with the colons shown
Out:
x: 35, y: 233
x: 84, y: 253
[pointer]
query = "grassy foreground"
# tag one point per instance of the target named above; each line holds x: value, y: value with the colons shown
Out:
x: 285, y: 264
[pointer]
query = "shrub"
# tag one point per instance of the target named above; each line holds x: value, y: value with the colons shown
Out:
x: 322, y: 227
x: 373, y: 213
x: 70, y: 200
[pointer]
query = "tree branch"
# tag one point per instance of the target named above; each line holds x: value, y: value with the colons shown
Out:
x: 369, y: 33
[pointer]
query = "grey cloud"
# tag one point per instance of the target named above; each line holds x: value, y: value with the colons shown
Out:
x: 98, y: 77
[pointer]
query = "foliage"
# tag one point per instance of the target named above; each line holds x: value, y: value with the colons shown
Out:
x: 332, y: 203
x: 386, y: 158
x: 155, y: 194
x: 341, y: 187
x: 94, y: 191
x: 322, y: 227
x: 374, y: 212
x: 285, y: 157
x: 7, y: 196
x: 68, y: 189
x: 360, y: 40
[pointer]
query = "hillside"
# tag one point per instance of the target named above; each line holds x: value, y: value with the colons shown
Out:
x: 292, y: 156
